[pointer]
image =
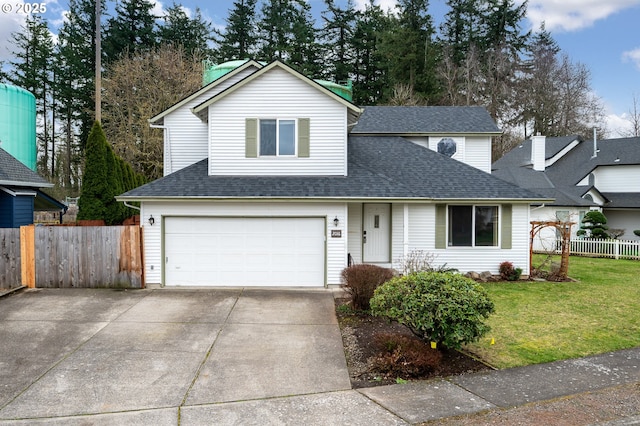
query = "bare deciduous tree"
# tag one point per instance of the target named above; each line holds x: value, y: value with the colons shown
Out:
x: 137, y: 88
x: 633, y: 118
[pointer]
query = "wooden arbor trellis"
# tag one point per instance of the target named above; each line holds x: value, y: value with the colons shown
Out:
x: 564, y: 229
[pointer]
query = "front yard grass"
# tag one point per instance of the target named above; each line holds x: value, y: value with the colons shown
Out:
x: 539, y: 322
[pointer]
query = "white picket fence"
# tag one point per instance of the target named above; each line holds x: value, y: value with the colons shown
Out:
x: 594, y: 247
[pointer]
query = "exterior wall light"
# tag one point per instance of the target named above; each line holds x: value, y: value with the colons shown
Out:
x: 151, y: 220
x: 336, y: 221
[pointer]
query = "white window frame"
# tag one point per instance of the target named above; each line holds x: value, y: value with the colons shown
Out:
x: 295, y: 137
x: 498, y: 224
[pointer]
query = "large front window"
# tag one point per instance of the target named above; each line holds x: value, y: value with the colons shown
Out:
x: 473, y: 226
x: 277, y: 137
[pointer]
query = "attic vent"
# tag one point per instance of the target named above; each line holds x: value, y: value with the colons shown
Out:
x: 447, y: 146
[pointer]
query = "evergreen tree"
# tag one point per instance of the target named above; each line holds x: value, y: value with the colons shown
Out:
x: 33, y: 71
x: 539, y: 106
x: 410, y: 50
x: 132, y: 29
x: 239, y: 40
x: 461, y: 28
x: 337, y: 38
x: 97, y: 185
x: 370, y: 73
x: 74, y: 70
x: 193, y: 34
x: 287, y: 33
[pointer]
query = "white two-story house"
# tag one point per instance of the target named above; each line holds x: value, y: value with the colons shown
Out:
x: 271, y: 179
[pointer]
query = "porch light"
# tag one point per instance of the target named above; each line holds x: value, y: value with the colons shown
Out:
x: 336, y: 221
x: 151, y: 220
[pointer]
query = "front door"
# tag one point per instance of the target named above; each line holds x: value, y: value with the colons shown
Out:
x: 376, y: 233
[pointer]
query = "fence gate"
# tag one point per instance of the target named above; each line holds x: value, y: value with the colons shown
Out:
x: 82, y: 256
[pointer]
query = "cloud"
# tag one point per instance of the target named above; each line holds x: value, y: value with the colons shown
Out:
x: 384, y: 4
x: 9, y: 23
x: 618, y: 125
x: 632, y: 56
x: 573, y: 15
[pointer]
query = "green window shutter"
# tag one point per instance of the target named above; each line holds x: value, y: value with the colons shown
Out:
x: 303, y: 137
x: 507, y: 226
x: 441, y: 226
x: 251, y: 138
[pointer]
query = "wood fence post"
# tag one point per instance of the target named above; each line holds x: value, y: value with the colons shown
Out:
x: 28, y: 255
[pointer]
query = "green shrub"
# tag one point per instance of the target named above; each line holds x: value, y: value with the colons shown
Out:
x: 508, y: 272
x: 438, y: 307
x: 594, y: 225
x: 637, y: 232
x: 403, y: 356
x: 361, y: 280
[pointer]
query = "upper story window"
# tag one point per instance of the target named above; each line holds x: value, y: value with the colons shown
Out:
x: 473, y: 226
x: 273, y: 137
x: 277, y: 137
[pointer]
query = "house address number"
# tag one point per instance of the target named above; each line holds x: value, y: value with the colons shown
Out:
x: 336, y: 233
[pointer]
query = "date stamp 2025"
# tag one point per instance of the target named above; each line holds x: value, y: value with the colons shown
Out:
x: 23, y: 8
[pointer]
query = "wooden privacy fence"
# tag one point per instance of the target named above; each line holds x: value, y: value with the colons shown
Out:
x: 9, y: 257
x: 81, y: 256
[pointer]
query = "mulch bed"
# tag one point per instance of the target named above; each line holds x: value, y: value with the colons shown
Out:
x: 359, y: 332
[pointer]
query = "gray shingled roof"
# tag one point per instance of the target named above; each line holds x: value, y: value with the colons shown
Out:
x: 629, y: 200
x: 559, y: 180
x: 402, y: 120
x: 378, y: 167
x: 13, y: 172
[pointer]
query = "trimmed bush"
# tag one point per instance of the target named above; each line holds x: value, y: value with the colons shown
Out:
x: 594, y: 225
x: 361, y: 280
x: 438, y: 307
x: 508, y: 272
x: 637, y: 232
x: 403, y: 356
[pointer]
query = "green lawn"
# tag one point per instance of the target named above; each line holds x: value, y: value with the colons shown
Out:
x: 541, y: 322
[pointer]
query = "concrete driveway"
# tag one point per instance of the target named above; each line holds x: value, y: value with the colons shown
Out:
x: 83, y: 356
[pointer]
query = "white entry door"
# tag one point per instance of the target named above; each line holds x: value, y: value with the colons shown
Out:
x: 376, y: 233
x: 244, y: 251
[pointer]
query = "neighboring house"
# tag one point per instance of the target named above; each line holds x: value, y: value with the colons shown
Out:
x: 20, y: 193
x: 274, y: 180
x: 581, y: 176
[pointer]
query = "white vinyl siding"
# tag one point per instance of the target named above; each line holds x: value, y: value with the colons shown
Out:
x: 422, y: 237
x: 478, y: 153
x: 624, y: 178
x: 629, y: 220
x: 186, y: 136
x: 336, y: 248
x: 472, y: 150
x: 279, y: 94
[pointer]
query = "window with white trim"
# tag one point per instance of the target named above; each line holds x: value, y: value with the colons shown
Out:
x: 277, y: 137
x: 473, y: 226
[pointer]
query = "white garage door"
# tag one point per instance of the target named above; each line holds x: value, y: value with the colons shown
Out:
x: 241, y: 251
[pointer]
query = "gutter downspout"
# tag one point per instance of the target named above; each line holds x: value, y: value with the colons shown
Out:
x: 132, y: 207
x: 166, y: 137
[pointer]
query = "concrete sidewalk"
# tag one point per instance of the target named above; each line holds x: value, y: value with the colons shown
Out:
x: 232, y: 357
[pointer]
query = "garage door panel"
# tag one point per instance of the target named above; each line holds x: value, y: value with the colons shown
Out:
x: 245, y: 251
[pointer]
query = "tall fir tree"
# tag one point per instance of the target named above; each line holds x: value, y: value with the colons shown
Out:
x: 410, y: 50
x: 239, y: 39
x: 287, y: 33
x: 193, y: 34
x: 133, y: 28
x: 336, y: 38
x: 370, y: 72
x: 75, y: 72
x: 33, y: 71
